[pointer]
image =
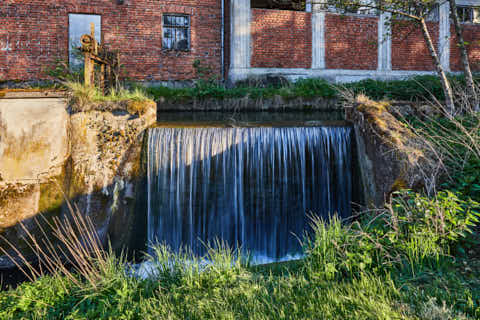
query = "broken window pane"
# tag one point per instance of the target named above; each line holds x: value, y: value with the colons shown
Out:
x: 78, y: 25
x: 176, y: 32
x: 468, y: 14
x: 297, y: 5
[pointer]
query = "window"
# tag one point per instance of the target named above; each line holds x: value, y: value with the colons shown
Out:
x: 293, y: 5
x: 78, y: 25
x: 468, y: 14
x: 176, y: 32
x: 361, y: 7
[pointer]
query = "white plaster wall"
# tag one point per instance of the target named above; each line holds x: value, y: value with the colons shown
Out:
x: 33, y: 139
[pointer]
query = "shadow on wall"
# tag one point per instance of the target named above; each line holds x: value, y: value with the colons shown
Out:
x: 409, y: 49
x: 95, y: 162
x: 113, y: 209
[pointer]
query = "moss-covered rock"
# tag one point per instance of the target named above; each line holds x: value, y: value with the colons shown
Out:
x: 391, y: 156
x: 106, y: 156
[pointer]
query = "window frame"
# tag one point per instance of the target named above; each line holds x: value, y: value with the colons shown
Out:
x: 175, y: 27
x: 471, y: 18
x: 73, y: 62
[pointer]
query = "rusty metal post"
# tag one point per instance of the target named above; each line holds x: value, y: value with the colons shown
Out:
x: 102, y: 78
x: 109, y: 62
x: 88, y: 69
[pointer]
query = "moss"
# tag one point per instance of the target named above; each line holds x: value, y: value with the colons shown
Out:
x: 77, y: 184
x: 12, y: 192
x: 23, y: 148
x: 139, y: 107
x: 399, y: 184
x: 392, y: 131
x: 51, y: 195
x: 137, y: 169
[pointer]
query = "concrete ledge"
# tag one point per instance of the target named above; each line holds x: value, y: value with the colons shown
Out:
x: 19, y: 94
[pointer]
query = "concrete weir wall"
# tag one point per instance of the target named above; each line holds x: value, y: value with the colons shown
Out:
x: 49, y: 154
x: 33, y: 148
x: 33, y: 139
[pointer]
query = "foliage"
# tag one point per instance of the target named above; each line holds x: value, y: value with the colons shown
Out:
x: 413, y: 233
x: 419, y: 88
x: 456, y: 142
x: 413, y: 9
x: 83, y: 96
x: 394, y: 265
x: 308, y: 88
x: 61, y: 71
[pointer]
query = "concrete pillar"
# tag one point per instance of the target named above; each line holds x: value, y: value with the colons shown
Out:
x: 444, y: 35
x: 318, y: 35
x: 384, y: 42
x: 240, y: 39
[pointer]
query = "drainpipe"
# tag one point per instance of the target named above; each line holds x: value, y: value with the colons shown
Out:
x: 223, y: 41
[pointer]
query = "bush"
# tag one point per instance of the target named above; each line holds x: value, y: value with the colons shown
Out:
x: 421, y: 88
x: 413, y: 234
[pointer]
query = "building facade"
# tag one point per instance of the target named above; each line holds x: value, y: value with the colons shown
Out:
x: 167, y: 40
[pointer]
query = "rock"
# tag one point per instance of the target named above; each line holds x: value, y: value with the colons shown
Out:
x: 17, y: 203
x: 391, y: 157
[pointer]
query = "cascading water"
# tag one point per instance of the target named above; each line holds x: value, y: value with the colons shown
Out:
x: 253, y: 187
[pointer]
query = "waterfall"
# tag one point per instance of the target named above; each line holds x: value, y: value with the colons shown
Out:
x: 252, y: 187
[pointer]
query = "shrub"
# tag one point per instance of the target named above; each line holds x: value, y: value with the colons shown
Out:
x: 422, y: 88
x: 414, y: 233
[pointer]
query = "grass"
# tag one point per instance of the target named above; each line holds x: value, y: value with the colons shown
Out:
x: 374, y: 268
x: 83, y: 96
x: 418, y: 88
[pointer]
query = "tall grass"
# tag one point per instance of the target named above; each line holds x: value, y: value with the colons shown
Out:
x: 359, y: 270
x: 82, y: 95
x: 67, y: 247
x: 414, y: 233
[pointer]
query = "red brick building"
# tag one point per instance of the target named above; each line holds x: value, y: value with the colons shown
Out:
x: 160, y: 40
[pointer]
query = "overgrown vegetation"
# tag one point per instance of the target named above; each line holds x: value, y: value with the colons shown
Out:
x: 394, y: 264
x: 421, y: 88
x: 84, y: 98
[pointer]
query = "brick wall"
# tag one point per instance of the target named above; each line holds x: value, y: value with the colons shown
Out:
x: 351, y: 42
x: 34, y: 33
x: 409, y: 50
x: 281, y: 39
x: 471, y: 35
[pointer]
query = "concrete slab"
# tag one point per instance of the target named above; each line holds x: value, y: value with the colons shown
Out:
x: 33, y: 138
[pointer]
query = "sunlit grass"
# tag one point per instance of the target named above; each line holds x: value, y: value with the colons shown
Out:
x: 83, y: 95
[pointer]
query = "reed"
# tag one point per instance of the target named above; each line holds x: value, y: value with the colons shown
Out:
x: 65, y: 247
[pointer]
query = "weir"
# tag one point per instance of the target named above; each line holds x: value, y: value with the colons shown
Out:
x: 253, y: 187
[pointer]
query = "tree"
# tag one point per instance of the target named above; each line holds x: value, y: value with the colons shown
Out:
x: 472, y: 92
x: 416, y: 11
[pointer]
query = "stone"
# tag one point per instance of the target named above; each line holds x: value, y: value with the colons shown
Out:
x: 391, y: 157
